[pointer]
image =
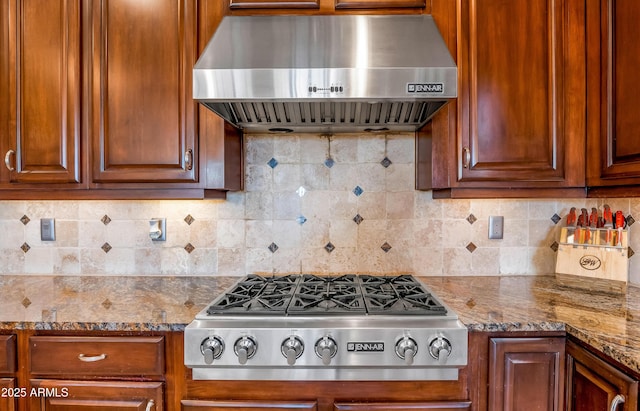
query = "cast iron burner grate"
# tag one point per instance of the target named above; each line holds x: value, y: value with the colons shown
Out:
x: 256, y: 295
x: 326, y: 295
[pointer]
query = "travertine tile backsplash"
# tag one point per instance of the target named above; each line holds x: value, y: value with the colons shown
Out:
x: 311, y: 204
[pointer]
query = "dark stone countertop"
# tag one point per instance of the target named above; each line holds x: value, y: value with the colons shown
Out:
x: 609, y: 323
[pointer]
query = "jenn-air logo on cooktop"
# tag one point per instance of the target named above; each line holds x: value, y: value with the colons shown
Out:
x: 365, y: 346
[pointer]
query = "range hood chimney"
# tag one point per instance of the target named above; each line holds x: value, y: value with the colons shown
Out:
x: 345, y: 73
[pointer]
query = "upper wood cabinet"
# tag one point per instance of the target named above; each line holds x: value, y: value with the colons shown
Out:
x: 142, y: 116
x: 519, y: 120
x: 613, y: 87
x: 41, y: 90
x: 97, y: 94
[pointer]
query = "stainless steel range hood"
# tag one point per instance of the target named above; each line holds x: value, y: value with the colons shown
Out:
x: 326, y: 73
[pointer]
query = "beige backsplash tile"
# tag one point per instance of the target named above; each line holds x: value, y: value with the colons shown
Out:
x: 370, y: 214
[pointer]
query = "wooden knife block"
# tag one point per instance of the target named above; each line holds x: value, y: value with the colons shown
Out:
x: 593, y: 261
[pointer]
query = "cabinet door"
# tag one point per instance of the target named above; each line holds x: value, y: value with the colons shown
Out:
x: 9, y: 394
x: 62, y: 395
x: 7, y: 354
x: 395, y: 406
x: 519, y: 120
x: 614, y: 126
x: 41, y: 92
x: 202, y: 405
x: 142, y: 114
x: 594, y: 385
x: 526, y: 374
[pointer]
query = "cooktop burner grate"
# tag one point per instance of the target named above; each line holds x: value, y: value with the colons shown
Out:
x: 308, y: 294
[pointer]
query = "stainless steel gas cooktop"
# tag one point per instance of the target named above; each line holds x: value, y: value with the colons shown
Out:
x: 309, y: 327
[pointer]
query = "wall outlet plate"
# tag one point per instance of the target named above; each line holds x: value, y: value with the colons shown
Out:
x: 48, y: 229
x: 496, y: 227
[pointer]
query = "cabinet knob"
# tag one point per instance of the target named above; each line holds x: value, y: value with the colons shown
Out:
x: 151, y: 405
x: 7, y: 160
x: 188, y: 159
x: 615, y: 402
x: 466, y: 157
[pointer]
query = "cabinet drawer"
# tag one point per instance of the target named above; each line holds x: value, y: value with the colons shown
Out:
x: 70, y: 395
x: 97, y: 356
x: 7, y: 354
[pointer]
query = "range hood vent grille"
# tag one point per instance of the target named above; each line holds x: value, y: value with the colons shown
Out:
x: 313, y: 116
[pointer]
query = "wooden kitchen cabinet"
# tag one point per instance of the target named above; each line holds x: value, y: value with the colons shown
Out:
x: 40, y: 93
x: 96, y: 102
x: 85, y: 372
x: 142, y: 116
x: 90, y: 396
x: 8, y: 360
x: 518, y: 127
x: 526, y: 373
x: 595, y: 385
x: 613, y: 150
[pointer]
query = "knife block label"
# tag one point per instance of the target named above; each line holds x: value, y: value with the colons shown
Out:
x: 595, y: 253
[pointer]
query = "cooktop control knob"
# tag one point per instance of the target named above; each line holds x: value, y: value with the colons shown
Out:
x: 326, y: 348
x: 245, y: 348
x: 440, y: 349
x: 212, y: 348
x: 292, y: 349
x: 406, y: 348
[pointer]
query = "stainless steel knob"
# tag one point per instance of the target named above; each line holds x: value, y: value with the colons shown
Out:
x: 292, y: 348
x: 406, y: 348
x: 440, y: 349
x: 245, y: 348
x: 212, y: 348
x: 326, y: 348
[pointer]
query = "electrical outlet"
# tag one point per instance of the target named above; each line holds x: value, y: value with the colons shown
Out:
x: 496, y: 227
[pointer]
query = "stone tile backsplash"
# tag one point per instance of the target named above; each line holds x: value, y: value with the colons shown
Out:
x: 311, y: 204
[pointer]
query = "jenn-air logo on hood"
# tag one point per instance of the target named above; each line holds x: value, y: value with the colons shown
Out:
x: 425, y: 88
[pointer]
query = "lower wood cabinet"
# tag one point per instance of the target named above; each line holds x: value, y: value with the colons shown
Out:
x: 64, y: 395
x: 526, y: 373
x: 8, y: 395
x: 595, y: 385
x: 95, y: 372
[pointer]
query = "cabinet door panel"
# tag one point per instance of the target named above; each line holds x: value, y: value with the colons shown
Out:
x: 65, y: 395
x: 526, y: 373
x: 143, y: 115
x: 44, y: 91
x: 521, y: 102
x: 7, y: 402
x: 614, y: 58
x: 592, y: 384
